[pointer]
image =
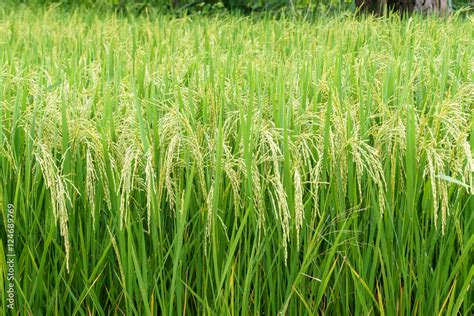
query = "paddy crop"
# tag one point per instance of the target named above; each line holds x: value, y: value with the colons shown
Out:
x: 237, y: 165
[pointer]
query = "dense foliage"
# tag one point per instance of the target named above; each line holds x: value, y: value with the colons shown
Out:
x: 230, y: 165
x: 301, y: 7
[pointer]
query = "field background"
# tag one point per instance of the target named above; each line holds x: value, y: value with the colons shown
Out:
x: 237, y: 165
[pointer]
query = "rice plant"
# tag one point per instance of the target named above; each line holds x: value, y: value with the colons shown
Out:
x: 236, y: 165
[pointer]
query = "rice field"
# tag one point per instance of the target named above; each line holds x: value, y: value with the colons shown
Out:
x: 228, y: 165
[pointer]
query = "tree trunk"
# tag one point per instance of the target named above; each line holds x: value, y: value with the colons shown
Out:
x: 426, y: 6
x: 403, y: 6
x: 443, y: 7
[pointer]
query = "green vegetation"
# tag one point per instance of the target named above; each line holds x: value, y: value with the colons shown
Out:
x: 231, y: 165
x: 292, y: 7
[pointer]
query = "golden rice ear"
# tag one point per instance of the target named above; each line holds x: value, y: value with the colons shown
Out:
x: 268, y: 138
x: 315, y: 176
x: 469, y: 170
x: 210, y: 215
x: 258, y: 197
x: 234, y: 176
x: 171, y: 153
x: 299, y: 209
x: 150, y: 185
x: 91, y: 181
x: 129, y: 165
x: 55, y: 182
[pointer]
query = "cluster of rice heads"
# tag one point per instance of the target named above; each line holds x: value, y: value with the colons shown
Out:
x: 288, y: 123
